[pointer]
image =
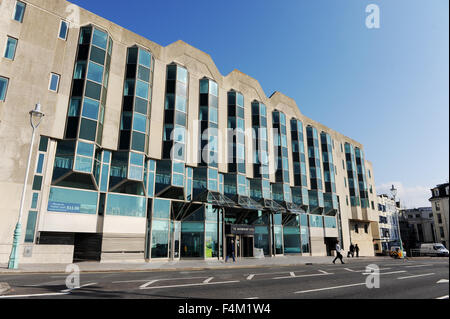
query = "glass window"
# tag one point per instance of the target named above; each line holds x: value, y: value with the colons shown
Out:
x: 10, y: 51
x: 90, y: 108
x: 64, y: 200
x: 181, y: 104
x: 161, y: 209
x: 95, y: 72
x: 140, y: 123
x: 37, y: 183
x: 34, y: 201
x: 100, y: 39
x: 182, y: 75
x: 31, y: 226
x: 123, y: 205
x: 54, y: 82
x: 85, y: 149
x: 83, y: 164
x: 80, y: 70
x: 63, y: 29
x: 213, y: 89
x: 145, y: 58
x: 40, y: 163
x: 142, y: 89
x: 204, y: 84
x: 3, y: 88
x: 160, y: 238
x: 20, y: 11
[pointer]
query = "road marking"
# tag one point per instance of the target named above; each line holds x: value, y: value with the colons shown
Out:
x: 83, y: 286
x: 417, y: 266
x: 442, y: 298
x: 348, y: 269
x: 190, y: 285
x: 208, y: 280
x: 163, y: 279
x: 442, y: 281
x: 386, y: 273
x: 416, y: 276
x: 36, y: 295
x: 147, y: 284
x: 253, y: 298
x: 302, y: 276
x: 250, y: 277
x: 324, y: 272
x: 329, y: 288
x: 292, y: 274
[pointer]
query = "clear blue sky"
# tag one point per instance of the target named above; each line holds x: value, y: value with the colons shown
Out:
x: 386, y: 88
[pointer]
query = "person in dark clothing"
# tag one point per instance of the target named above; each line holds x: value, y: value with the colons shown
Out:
x: 230, y: 251
x: 338, y: 252
x: 357, y: 251
x: 352, y: 251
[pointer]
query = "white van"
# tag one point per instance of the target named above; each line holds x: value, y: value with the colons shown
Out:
x: 433, y: 250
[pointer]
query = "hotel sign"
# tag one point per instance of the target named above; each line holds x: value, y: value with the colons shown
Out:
x: 244, y: 230
x: 63, y: 207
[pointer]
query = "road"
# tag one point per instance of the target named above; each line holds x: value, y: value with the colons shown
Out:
x: 420, y: 279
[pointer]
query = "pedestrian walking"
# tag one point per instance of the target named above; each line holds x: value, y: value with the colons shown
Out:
x: 357, y: 251
x: 230, y: 251
x: 338, y: 252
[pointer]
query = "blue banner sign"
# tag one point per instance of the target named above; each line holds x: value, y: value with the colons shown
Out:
x: 63, y: 207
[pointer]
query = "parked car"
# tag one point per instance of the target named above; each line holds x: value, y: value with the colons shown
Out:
x: 433, y: 250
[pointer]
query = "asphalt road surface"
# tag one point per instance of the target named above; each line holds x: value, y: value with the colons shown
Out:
x: 398, y: 279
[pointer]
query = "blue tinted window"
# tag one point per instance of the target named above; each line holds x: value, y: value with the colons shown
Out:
x: 10, y: 51
x: 240, y: 100
x: 85, y: 149
x: 181, y: 104
x: 54, y: 82
x: 34, y: 201
x: 161, y: 208
x: 122, y: 205
x: 140, y: 123
x: 63, y: 30
x: 104, y: 181
x: 213, y: 89
x: 40, y: 164
x: 145, y: 58
x: 142, y: 89
x: 65, y: 200
x: 90, y: 108
x: 20, y: 11
x: 31, y: 227
x: 100, y: 39
x: 83, y: 164
x: 182, y: 75
x: 3, y: 87
x: 95, y: 72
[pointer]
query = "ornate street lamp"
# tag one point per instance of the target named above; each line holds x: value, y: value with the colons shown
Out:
x: 36, y: 117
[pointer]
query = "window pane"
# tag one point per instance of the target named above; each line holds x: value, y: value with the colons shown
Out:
x: 213, y: 89
x: 88, y: 129
x: 142, y: 89
x: 95, y: 72
x: 83, y: 164
x: 80, y: 70
x: 140, y: 123
x: 40, y: 163
x: 85, y: 149
x: 144, y: 74
x: 161, y: 209
x: 136, y: 159
x: 63, y: 30
x: 90, y: 109
x: 181, y: 104
x: 31, y: 226
x: 145, y: 58
x: 72, y: 201
x: 54, y: 82
x: 20, y: 10
x: 100, y: 39
x: 3, y: 87
x: 10, y: 48
x: 182, y: 75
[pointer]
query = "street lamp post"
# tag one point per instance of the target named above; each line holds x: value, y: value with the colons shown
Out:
x: 36, y: 116
x: 394, y: 195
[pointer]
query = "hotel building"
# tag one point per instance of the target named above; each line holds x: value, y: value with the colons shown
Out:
x: 150, y: 153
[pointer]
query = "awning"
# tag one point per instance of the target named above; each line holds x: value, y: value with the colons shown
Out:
x: 273, y: 206
x: 295, y: 209
x: 214, y: 198
x: 248, y: 203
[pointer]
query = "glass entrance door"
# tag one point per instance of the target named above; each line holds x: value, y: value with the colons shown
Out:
x: 278, y: 240
x: 175, y: 240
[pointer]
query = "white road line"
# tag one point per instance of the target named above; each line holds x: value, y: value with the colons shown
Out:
x: 83, y: 286
x: 147, y: 284
x: 302, y: 276
x: 292, y: 274
x: 416, y: 276
x: 329, y: 288
x: 444, y: 297
x: 36, y: 295
x: 417, y: 266
x: 163, y: 279
x: 442, y: 281
x: 208, y: 280
x: 250, y: 277
x: 254, y: 298
x: 190, y: 285
x: 324, y: 272
x: 386, y: 273
x: 348, y: 269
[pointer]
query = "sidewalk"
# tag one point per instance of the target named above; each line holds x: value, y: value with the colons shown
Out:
x: 182, y: 265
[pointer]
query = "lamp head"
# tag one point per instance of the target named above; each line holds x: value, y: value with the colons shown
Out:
x: 37, y: 113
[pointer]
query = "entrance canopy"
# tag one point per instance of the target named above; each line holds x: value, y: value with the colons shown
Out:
x: 273, y: 206
x: 295, y: 209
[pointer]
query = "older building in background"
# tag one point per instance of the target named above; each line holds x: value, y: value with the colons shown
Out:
x: 388, y: 234
x: 134, y: 160
x: 417, y: 227
x: 439, y: 204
